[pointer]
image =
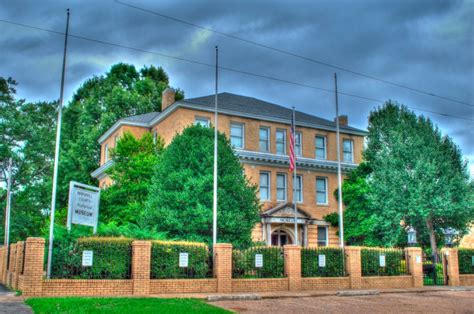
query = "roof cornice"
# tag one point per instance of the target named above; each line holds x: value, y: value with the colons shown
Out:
x: 117, y: 125
x: 100, y: 172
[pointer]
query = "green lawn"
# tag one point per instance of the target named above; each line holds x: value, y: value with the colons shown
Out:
x: 121, y: 305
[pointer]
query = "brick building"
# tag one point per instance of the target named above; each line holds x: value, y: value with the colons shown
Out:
x: 259, y: 132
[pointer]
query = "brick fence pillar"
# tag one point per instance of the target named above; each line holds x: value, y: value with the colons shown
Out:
x: 414, y: 261
x: 18, y: 263
x: 11, y: 265
x: 223, y: 266
x: 33, y: 267
x: 451, y: 265
x: 353, y: 266
x: 2, y: 263
x: 293, y: 266
x: 141, y: 260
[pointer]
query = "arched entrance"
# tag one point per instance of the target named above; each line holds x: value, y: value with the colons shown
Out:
x: 280, y: 237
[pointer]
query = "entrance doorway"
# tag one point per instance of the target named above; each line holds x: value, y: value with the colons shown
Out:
x: 280, y: 238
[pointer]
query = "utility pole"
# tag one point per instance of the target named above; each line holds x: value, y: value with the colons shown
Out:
x: 56, y: 154
x: 6, y: 238
x: 214, y: 202
x: 339, y: 175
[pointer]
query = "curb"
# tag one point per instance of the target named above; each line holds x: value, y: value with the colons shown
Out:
x: 355, y: 293
x: 238, y: 297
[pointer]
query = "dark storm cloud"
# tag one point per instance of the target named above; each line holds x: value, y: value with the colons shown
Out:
x: 424, y: 44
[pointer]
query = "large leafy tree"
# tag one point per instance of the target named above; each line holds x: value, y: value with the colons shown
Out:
x: 134, y: 161
x: 180, y: 198
x: 416, y: 177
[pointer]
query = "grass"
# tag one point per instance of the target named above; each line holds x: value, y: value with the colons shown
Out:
x: 121, y: 305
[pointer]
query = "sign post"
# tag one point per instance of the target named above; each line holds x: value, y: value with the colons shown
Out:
x: 83, y: 206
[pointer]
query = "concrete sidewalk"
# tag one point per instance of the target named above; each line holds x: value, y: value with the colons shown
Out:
x: 9, y: 303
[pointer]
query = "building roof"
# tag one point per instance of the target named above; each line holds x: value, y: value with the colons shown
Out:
x: 142, y: 118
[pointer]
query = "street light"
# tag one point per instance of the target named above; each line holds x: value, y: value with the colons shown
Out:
x: 411, y: 232
x: 449, y: 234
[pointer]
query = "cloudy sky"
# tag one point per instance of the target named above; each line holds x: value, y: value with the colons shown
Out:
x: 426, y: 45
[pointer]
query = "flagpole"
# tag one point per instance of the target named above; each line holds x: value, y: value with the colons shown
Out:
x: 339, y: 176
x: 294, y: 176
x: 6, y: 238
x: 56, y: 154
x: 214, y: 204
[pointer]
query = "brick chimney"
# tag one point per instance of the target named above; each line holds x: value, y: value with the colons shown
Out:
x: 343, y: 120
x: 167, y: 98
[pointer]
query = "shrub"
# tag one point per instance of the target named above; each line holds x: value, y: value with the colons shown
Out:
x: 334, y: 262
x: 395, y: 264
x: 243, y: 263
x: 466, y: 258
x: 165, y: 260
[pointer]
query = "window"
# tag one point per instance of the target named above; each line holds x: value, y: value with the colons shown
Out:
x: 237, y: 135
x: 348, y: 151
x: 299, y: 189
x: 320, y: 144
x: 116, y: 139
x: 281, y: 187
x: 281, y: 142
x: 322, y: 236
x: 106, y: 152
x: 298, y: 137
x: 264, y: 142
x: 321, y: 191
x: 264, y: 186
x: 202, y: 121
x: 155, y: 136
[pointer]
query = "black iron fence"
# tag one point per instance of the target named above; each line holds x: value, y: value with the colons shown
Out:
x: 466, y: 261
x: 322, y: 262
x: 383, y: 262
x: 258, y: 262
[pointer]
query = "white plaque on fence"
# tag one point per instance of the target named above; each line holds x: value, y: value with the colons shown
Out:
x: 83, y: 205
x: 258, y: 260
x: 87, y: 257
x: 322, y: 260
x: 418, y: 259
x: 382, y: 260
x: 183, y: 259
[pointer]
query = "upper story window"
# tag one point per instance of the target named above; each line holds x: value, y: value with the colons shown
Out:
x: 299, y: 189
x: 264, y: 139
x: 322, y: 236
x: 281, y: 187
x: 116, y: 139
x: 106, y: 152
x: 321, y: 191
x: 348, y: 151
x: 264, y: 186
x: 237, y: 135
x: 202, y: 121
x: 320, y: 144
x: 155, y: 136
x: 281, y: 142
x: 298, y: 141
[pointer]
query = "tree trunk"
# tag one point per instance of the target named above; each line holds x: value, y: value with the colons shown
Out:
x: 434, y: 247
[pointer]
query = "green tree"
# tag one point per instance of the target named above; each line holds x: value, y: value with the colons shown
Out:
x: 134, y: 161
x: 180, y: 198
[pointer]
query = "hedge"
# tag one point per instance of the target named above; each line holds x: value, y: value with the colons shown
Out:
x: 334, y: 264
x: 243, y: 263
x: 395, y: 264
x: 111, y: 258
x: 165, y: 260
x: 466, y: 261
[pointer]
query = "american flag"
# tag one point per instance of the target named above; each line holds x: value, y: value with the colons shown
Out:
x: 292, y: 143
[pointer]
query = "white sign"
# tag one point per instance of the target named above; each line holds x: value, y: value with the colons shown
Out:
x: 322, y: 260
x: 87, y: 257
x: 83, y: 205
x: 382, y: 260
x: 418, y: 259
x: 183, y: 259
x: 258, y: 260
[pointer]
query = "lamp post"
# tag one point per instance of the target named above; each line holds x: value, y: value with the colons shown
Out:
x: 449, y: 234
x: 411, y: 233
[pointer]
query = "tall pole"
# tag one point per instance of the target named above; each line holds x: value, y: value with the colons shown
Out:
x: 56, y: 154
x: 294, y: 177
x: 6, y: 238
x: 214, y: 202
x: 339, y: 175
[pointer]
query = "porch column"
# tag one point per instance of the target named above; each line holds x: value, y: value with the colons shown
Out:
x: 269, y: 233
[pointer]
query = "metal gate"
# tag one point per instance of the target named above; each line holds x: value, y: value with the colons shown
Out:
x: 433, y: 272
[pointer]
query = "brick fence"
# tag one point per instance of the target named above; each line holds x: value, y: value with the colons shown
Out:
x: 25, y: 272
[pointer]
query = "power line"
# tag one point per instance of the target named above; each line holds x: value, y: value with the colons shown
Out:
x: 293, y: 54
x: 220, y: 67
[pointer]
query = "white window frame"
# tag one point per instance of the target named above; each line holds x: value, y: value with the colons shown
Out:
x: 199, y: 119
x: 267, y: 173
x: 268, y: 139
x: 106, y: 152
x: 316, y: 147
x: 155, y: 136
x: 325, y: 190
x: 301, y: 187
x: 344, y: 152
x: 284, y: 141
x: 285, y: 187
x: 327, y: 235
x: 242, y: 127
x: 116, y: 139
x: 300, y: 145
